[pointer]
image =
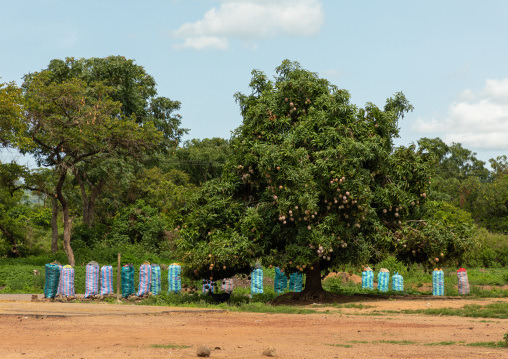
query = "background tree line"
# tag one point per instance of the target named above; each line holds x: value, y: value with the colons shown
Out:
x: 113, y: 172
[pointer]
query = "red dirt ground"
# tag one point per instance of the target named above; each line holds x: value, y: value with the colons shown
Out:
x: 95, y: 330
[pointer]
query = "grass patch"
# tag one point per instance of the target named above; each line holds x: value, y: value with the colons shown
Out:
x: 340, y: 345
x: 494, y: 310
x: 352, y: 305
x: 441, y: 343
x: 239, y: 303
x: 500, y: 344
x: 169, y: 346
x: 398, y: 342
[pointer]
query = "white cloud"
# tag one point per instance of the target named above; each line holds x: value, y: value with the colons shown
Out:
x: 478, y: 119
x: 201, y: 42
x: 250, y: 20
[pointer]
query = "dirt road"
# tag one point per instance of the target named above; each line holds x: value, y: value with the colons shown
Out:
x: 91, y: 331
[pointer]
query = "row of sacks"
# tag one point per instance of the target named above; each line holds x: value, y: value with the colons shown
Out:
x: 60, y: 280
x: 281, y: 283
x: 383, y: 280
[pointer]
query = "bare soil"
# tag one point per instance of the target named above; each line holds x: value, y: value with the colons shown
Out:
x: 99, y: 330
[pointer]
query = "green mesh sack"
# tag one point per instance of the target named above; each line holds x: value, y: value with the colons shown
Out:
x: 52, y: 272
x: 128, y: 280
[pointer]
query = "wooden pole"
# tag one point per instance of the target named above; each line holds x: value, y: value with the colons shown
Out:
x: 118, y: 278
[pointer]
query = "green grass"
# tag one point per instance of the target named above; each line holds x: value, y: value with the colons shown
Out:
x: 441, y: 343
x: 399, y: 342
x: 340, y: 345
x: 500, y: 344
x: 494, y: 310
x: 239, y: 303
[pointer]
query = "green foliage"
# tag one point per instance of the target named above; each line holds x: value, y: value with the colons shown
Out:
x: 11, y: 111
x: 139, y: 224
x: 202, y: 160
x: 310, y: 182
x: 131, y: 86
x: 447, y: 235
x: 492, y: 250
x: 393, y: 265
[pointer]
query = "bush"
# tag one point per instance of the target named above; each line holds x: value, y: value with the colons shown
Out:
x: 492, y: 251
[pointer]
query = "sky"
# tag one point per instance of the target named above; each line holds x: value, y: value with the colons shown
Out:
x: 450, y: 58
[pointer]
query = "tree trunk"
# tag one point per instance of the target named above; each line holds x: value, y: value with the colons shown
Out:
x: 54, y: 225
x: 313, y: 290
x: 67, y: 236
x: 88, y: 201
x: 313, y: 284
x: 66, y: 218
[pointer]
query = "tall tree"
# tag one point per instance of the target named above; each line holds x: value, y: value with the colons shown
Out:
x: 72, y: 122
x: 135, y: 90
x: 313, y: 181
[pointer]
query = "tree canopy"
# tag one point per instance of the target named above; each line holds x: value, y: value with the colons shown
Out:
x: 313, y: 181
x: 72, y: 122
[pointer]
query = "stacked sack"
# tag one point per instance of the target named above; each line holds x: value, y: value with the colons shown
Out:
x: 52, y: 272
x: 107, y: 280
x: 438, y: 282
x: 367, y: 278
x: 383, y: 279
x: 227, y: 285
x: 128, y: 280
x: 397, y: 282
x: 280, y: 284
x: 256, y: 280
x: 145, y: 279
x: 92, y: 279
x: 174, y: 278
x: 66, y: 283
x: 208, y: 286
x: 155, y: 285
x: 463, y: 281
x: 295, y: 282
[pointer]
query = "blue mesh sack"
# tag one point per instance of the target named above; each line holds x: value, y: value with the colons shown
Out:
x: 155, y: 286
x: 295, y: 282
x: 437, y: 282
x: 66, y: 284
x: 397, y: 282
x: 383, y: 280
x: 60, y: 283
x: 145, y: 279
x: 280, y: 284
x: 368, y: 279
x: 92, y: 279
x: 174, y: 278
x: 256, y: 281
x: 208, y: 285
x: 106, y: 280
x: 52, y: 273
x: 128, y: 280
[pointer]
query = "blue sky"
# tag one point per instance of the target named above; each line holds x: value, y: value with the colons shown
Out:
x: 450, y: 57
